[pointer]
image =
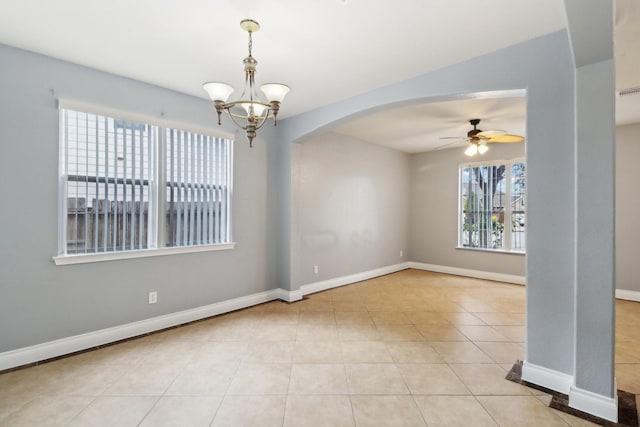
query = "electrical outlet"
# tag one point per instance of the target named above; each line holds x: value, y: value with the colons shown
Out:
x: 315, y: 269
x: 153, y: 297
x: 401, y: 254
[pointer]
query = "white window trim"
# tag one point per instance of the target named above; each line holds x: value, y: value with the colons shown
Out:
x: 68, y: 259
x: 500, y: 251
x: 507, y: 242
x: 142, y: 253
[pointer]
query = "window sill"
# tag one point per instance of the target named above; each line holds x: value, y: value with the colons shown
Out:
x: 143, y: 253
x: 498, y: 251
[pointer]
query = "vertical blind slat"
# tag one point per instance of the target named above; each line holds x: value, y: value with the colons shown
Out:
x: 179, y: 195
x: 205, y: 192
x: 198, y: 161
x: 107, y: 205
x: 192, y: 193
x: 217, y: 191
x: 223, y: 195
x: 132, y: 215
x: 96, y: 203
x: 211, y: 190
x: 172, y: 191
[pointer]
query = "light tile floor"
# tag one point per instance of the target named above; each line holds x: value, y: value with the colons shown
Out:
x: 412, y: 348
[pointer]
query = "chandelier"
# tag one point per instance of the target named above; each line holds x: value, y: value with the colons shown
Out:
x: 249, y: 113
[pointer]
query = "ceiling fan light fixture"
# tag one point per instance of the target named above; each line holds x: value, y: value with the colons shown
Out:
x: 471, y: 150
x: 483, y: 148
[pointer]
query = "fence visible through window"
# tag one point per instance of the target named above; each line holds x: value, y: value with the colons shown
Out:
x: 198, y: 178
x: 110, y: 197
x: 108, y: 165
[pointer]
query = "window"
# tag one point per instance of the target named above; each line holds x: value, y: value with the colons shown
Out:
x: 198, y: 195
x: 111, y: 200
x: 492, y: 206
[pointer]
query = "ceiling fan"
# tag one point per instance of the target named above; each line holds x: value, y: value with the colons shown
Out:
x: 479, y: 139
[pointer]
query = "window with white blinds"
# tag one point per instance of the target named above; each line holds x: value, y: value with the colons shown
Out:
x: 198, y: 189
x: 110, y: 197
x: 492, y: 206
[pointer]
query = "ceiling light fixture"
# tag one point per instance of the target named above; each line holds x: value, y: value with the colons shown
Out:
x: 479, y: 140
x: 252, y: 113
x: 476, y: 145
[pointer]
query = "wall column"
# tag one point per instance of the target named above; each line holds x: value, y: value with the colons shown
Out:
x: 591, y: 32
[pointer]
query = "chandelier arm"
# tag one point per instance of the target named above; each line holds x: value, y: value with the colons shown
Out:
x: 264, y: 120
x: 233, y: 119
x: 234, y: 104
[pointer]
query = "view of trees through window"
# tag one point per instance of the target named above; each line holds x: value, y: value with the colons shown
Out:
x: 492, y: 203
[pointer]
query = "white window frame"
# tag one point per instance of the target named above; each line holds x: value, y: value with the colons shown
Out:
x: 507, y: 209
x: 158, y: 193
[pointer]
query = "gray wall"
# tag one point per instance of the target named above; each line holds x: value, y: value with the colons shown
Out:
x: 434, y: 211
x: 39, y: 301
x: 627, y: 207
x: 354, y: 200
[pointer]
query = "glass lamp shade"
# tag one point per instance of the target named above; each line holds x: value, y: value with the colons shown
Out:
x: 258, y: 109
x: 471, y: 150
x: 483, y: 148
x: 218, y: 91
x: 275, y: 91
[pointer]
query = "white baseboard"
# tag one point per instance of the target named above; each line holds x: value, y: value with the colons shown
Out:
x: 547, y: 378
x: 289, y: 296
x: 628, y: 295
x: 352, y: 278
x: 594, y: 404
x: 478, y: 274
x: 48, y: 350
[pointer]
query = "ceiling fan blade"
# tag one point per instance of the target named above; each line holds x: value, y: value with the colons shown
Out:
x: 506, y: 139
x: 491, y: 133
x: 453, y: 137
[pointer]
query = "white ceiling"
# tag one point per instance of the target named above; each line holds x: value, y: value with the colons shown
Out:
x: 424, y: 126
x: 326, y: 50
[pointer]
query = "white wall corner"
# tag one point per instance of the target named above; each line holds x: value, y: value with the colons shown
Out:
x: 547, y: 378
x: 39, y: 352
x: 352, y: 278
x: 289, y: 296
x: 594, y: 404
x: 628, y: 295
x: 465, y: 272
